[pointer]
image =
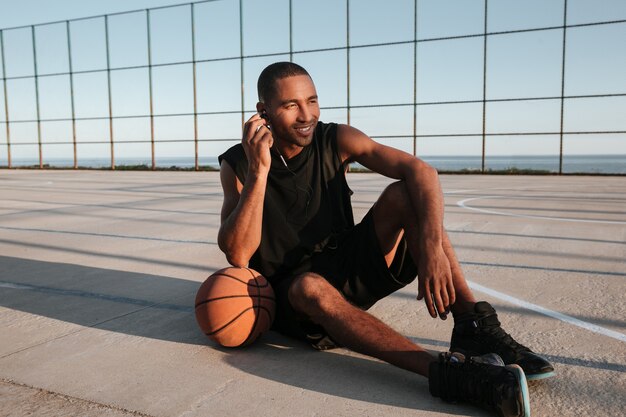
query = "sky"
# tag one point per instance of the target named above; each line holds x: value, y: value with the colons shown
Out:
x: 520, y: 65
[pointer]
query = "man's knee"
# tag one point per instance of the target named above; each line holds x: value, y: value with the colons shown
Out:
x: 310, y: 294
x: 394, y: 204
x: 396, y: 197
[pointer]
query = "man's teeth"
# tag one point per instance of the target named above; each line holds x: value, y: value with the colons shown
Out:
x: 304, y: 129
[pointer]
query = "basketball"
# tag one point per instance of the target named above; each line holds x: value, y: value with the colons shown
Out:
x: 234, y: 306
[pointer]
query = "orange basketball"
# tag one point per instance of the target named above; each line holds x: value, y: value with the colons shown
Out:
x: 234, y: 306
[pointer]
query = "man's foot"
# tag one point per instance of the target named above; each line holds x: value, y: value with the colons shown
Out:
x: 481, y: 381
x: 321, y: 341
x: 479, y: 332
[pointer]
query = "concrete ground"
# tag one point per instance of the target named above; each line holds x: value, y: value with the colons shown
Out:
x: 98, y: 272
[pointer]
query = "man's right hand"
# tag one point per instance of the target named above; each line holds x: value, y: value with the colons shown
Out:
x: 257, y: 140
x: 435, y: 281
x: 242, y: 210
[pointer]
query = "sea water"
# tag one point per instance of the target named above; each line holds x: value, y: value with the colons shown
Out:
x: 590, y: 164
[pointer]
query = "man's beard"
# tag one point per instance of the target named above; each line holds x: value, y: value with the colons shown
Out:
x: 291, y: 136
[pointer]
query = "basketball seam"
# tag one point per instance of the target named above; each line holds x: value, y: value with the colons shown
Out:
x: 256, y: 316
x: 229, y: 323
x: 271, y: 316
x: 243, y: 282
x: 268, y: 313
x: 232, y: 296
x: 267, y: 284
x: 235, y: 319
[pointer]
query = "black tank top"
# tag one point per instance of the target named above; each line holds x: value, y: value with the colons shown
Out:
x: 305, y: 204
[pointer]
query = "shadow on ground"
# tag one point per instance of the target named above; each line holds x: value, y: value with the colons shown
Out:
x: 160, y: 307
x: 339, y: 373
x: 96, y: 297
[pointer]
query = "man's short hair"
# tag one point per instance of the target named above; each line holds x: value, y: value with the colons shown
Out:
x: 274, y: 72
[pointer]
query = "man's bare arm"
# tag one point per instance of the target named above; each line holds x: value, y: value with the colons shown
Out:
x: 242, y: 211
x: 421, y: 178
x: 427, y: 199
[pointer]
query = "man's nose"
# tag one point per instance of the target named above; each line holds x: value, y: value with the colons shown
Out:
x: 304, y: 115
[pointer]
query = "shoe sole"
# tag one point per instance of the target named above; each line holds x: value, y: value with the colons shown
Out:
x: 521, y: 378
x: 536, y: 377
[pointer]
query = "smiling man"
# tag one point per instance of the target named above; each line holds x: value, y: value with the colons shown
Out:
x: 287, y: 213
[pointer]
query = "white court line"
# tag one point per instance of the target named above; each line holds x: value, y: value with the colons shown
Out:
x: 463, y: 204
x: 477, y: 189
x: 550, y: 313
x: 508, y: 188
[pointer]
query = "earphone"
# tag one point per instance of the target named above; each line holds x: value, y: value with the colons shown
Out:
x: 284, y: 162
x: 308, y: 191
x: 263, y: 115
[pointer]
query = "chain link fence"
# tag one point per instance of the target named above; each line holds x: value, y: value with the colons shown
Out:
x: 180, y: 80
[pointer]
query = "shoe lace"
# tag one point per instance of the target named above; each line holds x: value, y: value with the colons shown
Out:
x: 498, y: 336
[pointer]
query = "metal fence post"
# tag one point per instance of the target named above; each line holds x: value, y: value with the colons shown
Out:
x: 348, y: 60
x: 153, y: 163
x: 34, y: 39
x: 69, y: 58
x: 106, y: 36
x: 241, y: 60
x: 415, y: 78
x: 6, y: 100
x: 195, y: 90
x: 291, y: 30
x: 484, y: 134
x: 562, y: 89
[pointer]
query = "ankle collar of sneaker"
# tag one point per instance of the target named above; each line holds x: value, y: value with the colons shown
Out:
x: 476, y: 322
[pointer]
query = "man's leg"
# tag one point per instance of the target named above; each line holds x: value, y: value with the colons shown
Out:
x: 464, y: 297
x: 394, y: 216
x: 477, y: 328
x: 313, y: 296
x: 483, y: 381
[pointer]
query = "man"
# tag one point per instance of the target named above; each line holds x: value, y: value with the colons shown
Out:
x: 287, y: 214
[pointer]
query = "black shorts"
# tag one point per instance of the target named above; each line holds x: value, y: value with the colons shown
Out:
x: 354, y: 264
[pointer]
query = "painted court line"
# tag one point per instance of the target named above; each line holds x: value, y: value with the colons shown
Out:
x: 550, y: 313
x: 463, y: 204
x: 508, y: 188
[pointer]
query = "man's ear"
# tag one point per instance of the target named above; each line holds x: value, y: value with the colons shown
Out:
x: 260, y: 107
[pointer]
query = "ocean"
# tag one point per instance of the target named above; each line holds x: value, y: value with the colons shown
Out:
x: 589, y: 164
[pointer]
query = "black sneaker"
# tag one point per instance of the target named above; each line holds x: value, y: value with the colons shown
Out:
x: 501, y: 389
x: 479, y: 332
